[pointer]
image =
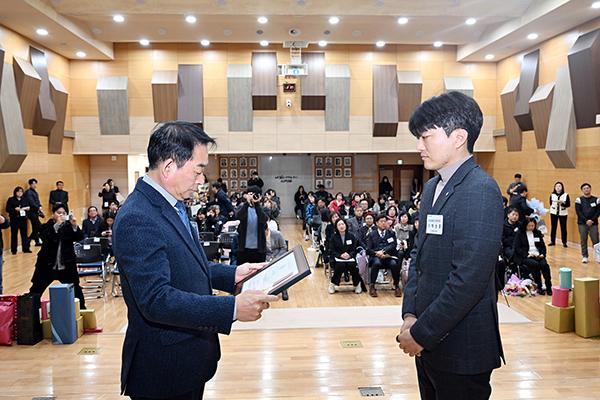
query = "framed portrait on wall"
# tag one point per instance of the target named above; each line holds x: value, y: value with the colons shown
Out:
x: 328, y: 161
x: 252, y: 172
x: 223, y: 162
x: 347, y: 161
x: 318, y: 161
x: 347, y: 172
x: 318, y: 182
x: 328, y: 173
x: 223, y: 174
x: 243, y: 185
x: 233, y: 185
x: 338, y: 173
x: 233, y: 162
x: 243, y: 162
x: 319, y: 172
x: 328, y: 183
x: 338, y: 162
x: 243, y: 173
x: 233, y: 174
x: 253, y: 161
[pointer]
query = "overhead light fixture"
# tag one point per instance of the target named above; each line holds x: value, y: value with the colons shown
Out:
x: 489, y: 57
x: 119, y: 18
x: 596, y: 4
x: 471, y: 21
x: 80, y: 54
x: 402, y: 20
x: 264, y: 43
x: 191, y: 19
x: 204, y: 42
x: 438, y: 44
x: 322, y: 43
x: 532, y: 36
x: 42, y: 32
x: 262, y: 20
x: 334, y: 20
x: 380, y: 43
x: 144, y: 42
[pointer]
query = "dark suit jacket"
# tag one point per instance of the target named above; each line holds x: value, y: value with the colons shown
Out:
x: 520, y: 203
x: 59, y: 196
x: 92, y: 230
x: 373, y: 242
x: 522, y: 244
x: 224, y: 203
x: 171, y: 345
x: 450, y: 286
x: 12, y: 203
x: 5, y: 225
x: 46, y: 258
x: 338, y: 248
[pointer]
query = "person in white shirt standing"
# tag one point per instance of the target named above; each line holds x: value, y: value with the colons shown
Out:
x: 559, y: 204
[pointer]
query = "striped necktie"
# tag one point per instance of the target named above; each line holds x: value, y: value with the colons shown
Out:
x: 183, y: 215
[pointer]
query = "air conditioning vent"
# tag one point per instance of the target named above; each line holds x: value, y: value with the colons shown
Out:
x: 294, y: 31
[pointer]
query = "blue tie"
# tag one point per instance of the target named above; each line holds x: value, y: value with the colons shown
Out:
x: 183, y: 215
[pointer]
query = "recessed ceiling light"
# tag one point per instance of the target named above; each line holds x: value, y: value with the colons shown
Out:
x: 191, y: 19
x: 356, y: 33
x: 489, y: 57
x: 596, y: 4
x: 259, y: 32
x: 438, y: 44
x: 96, y: 31
x: 327, y: 32
x: 532, y: 36
x: 402, y: 20
x: 42, y: 32
x: 322, y: 43
x: 419, y: 33
x: 262, y: 20
x: 227, y: 32
x: 119, y: 18
x: 162, y: 31
x: 204, y: 42
x: 144, y: 42
x: 471, y: 21
x: 80, y: 54
x: 334, y: 20
x: 264, y: 43
x: 380, y: 43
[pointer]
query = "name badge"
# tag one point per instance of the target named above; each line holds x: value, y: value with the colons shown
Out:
x: 349, y: 242
x: 516, y: 229
x: 592, y: 204
x: 536, y: 239
x: 435, y: 225
x: 22, y: 213
x: 390, y: 240
x: 106, y: 204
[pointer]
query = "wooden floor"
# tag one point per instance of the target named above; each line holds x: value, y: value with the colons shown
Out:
x: 308, y: 364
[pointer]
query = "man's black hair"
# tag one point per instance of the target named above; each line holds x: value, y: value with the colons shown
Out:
x: 32, y: 180
x: 585, y: 184
x: 379, y: 216
x: 175, y: 140
x: 449, y: 111
x: 57, y: 182
x: 521, y: 189
x: 511, y: 209
x: 518, y: 176
x: 216, y: 185
x: 56, y: 206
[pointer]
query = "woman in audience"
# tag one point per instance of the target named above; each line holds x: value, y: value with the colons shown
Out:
x: 402, y: 232
x: 17, y: 207
x: 274, y: 210
x: 106, y: 228
x: 235, y: 196
x: 329, y: 231
x: 337, y: 203
x: 309, y: 213
x: 559, y: 204
x: 356, y: 198
x: 385, y: 187
x: 530, y: 251
x: 300, y: 199
x: 343, y: 256
x: 215, y: 219
x: 392, y: 216
x: 381, y: 204
x: 272, y: 195
x: 107, y: 196
x: 347, y: 211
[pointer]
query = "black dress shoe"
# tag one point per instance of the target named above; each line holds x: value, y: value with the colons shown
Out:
x: 27, y: 251
x: 541, y: 292
x: 565, y: 245
x: 549, y: 291
x: 551, y: 244
x: 38, y: 244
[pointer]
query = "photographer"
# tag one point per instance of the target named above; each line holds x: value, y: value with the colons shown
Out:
x: 253, y: 223
x: 56, y: 259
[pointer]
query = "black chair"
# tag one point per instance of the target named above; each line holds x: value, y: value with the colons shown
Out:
x: 211, y: 249
x: 206, y: 236
x: 90, y: 261
x: 103, y: 241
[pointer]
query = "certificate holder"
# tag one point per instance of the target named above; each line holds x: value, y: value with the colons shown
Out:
x: 279, y: 274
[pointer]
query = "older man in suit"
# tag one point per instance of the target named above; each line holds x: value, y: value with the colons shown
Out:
x: 174, y: 320
x: 381, y: 248
x: 450, y: 312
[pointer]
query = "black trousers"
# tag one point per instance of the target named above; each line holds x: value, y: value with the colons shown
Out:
x: 389, y: 263
x: 35, y: 226
x: 251, y: 256
x: 538, y: 268
x: 195, y: 394
x: 39, y: 284
x: 439, y: 385
x: 340, y: 267
x: 18, y: 225
x: 563, y: 227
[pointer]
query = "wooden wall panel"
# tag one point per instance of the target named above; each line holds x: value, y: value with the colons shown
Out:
x: 113, y: 105
x: 561, y: 145
x: 584, y: 62
x: 164, y: 95
x: 459, y: 84
x: 540, y: 105
x: 514, y: 134
x: 239, y: 98
x: 45, y: 112
x: 60, y: 97
x: 264, y: 81
x: 337, y: 92
x: 528, y: 83
x: 190, y: 94
x: 28, y: 88
x: 313, y: 85
x: 410, y: 92
x: 385, y: 100
x: 13, y: 148
x: 2, y: 52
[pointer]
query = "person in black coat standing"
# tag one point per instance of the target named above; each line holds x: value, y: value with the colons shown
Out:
x: 59, y: 196
x: 519, y: 202
x: 56, y: 259
x: 108, y: 196
x: 35, y: 212
x: 3, y: 225
x: 253, y: 223
x: 343, y: 256
x: 17, y: 207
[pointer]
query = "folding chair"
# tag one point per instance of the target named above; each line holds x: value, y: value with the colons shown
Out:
x: 206, y: 236
x: 90, y: 261
x: 102, y: 241
x: 211, y: 249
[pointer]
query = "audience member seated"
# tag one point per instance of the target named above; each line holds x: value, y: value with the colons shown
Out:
x: 392, y: 202
x: 272, y: 195
x: 343, y: 247
x: 234, y: 199
x: 91, y: 226
x: 322, y: 209
x: 355, y: 222
x: 402, y: 231
x: 519, y: 202
x: 356, y: 198
x: 107, y: 195
x: 203, y: 224
x: 381, y: 204
x: 106, y: 228
x: 321, y: 193
x: 273, y: 210
x: 364, y: 203
x: 381, y: 248
x: 215, y: 219
x: 511, y: 227
x: 392, y: 216
x: 414, y: 212
x: 530, y: 251
x: 347, y: 210
x: 337, y: 203
x: 113, y: 207
x: 329, y: 231
x: 366, y: 229
x: 310, y: 212
x: 275, y: 244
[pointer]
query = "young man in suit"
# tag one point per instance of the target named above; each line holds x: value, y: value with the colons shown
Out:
x: 449, y: 309
x: 174, y: 320
x: 59, y: 196
x: 381, y: 248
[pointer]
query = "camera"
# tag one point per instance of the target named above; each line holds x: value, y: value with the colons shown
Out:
x: 256, y: 196
x: 68, y: 217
